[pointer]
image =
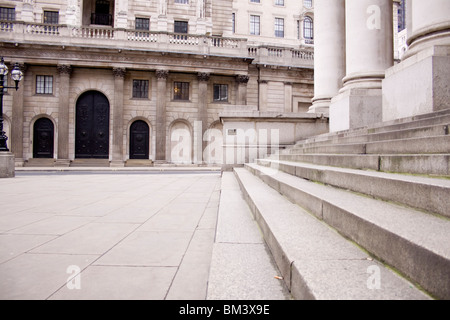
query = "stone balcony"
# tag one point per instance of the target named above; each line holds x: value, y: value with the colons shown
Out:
x: 107, y: 37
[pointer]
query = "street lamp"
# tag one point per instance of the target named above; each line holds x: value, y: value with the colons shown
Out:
x: 17, y: 76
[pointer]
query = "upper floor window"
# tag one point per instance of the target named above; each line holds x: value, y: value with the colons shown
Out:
x: 182, y: 1
x: 140, y: 89
x: 180, y: 27
x: 308, y: 3
x: 279, y: 2
x: 308, y: 29
x: 279, y: 28
x: 7, y: 14
x: 255, y: 25
x: 255, y: 1
x: 233, y: 18
x: 181, y: 91
x: 142, y: 24
x: 221, y: 92
x: 51, y: 17
x: 44, y: 84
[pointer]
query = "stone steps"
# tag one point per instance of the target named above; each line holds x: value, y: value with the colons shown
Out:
x: 316, y: 261
x: 413, y: 242
x: 429, y: 164
x: 422, y: 193
x: 90, y: 163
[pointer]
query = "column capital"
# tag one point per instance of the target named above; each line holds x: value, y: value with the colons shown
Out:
x: 119, y: 72
x: 203, y: 76
x: 64, y: 69
x: 162, y: 74
x: 242, y: 78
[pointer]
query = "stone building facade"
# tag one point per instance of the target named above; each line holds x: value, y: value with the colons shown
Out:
x: 129, y: 80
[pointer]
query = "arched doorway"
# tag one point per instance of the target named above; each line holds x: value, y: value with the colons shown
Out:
x: 43, y: 139
x: 139, y: 140
x: 92, y: 126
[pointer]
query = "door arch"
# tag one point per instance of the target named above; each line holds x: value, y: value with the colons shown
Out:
x: 139, y: 140
x: 92, y: 126
x: 43, y: 138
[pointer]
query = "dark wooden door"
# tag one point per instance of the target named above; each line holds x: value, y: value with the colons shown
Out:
x: 139, y: 140
x: 43, y: 138
x: 92, y: 126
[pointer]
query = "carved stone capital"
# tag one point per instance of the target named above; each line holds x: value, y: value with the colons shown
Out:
x: 64, y: 69
x: 162, y: 74
x: 119, y: 72
x: 242, y: 79
x: 203, y: 76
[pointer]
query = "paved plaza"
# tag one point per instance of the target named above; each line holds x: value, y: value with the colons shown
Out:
x: 130, y: 235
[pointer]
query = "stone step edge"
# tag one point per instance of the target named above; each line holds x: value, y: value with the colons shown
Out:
x: 425, y: 164
x: 392, y: 228
x: 428, y: 194
x: 291, y: 263
x: 418, y: 132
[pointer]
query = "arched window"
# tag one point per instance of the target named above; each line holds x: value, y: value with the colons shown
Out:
x: 308, y: 29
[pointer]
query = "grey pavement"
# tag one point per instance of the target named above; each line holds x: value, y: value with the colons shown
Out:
x: 134, y: 235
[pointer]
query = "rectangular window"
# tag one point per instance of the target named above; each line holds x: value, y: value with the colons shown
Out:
x: 255, y: 25
x: 8, y: 14
x: 51, y: 17
x: 44, y: 84
x: 182, y: 1
x: 279, y: 2
x: 180, y: 27
x: 181, y: 91
x: 279, y: 27
x: 233, y: 17
x: 140, y: 89
x: 142, y: 24
x: 221, y: 92
x: 307, y: 3
x: 255, y: 1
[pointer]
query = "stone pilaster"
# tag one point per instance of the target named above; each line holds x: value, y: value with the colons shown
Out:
x: 64, y: 72
x: 17, y: 121
x: 288, y: 97
x: 369, y: 52
x: 161, y: 104
x: 263, y: 84
x: 329, y: 52
x: 202, y: 115
x: 117, y: 142
x: 242, y: 81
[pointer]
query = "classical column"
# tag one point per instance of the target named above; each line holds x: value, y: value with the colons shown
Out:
x: 369, y: 52
x: 242, y: 81
x: 329, y: 52
x: 202, y: 115
x: 419, y: 84
x: 64, y: 72
x: 118, y: 136
x: 17, y: 122
x: 161, y: 101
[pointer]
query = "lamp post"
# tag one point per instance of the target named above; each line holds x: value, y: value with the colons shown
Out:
x: 16, y: 76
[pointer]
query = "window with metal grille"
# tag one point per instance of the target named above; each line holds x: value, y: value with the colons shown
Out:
x: 181, y: 91
x: 8, y: 14
x: 255, y: 25
x: 140, y: 89
x: 279, y: 27
x: 221, y: 92
x: 142, y: 24
x: 44, y: 84
x: 51, y: 17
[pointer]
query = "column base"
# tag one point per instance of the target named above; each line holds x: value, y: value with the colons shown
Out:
x: 7, y: 165
x: 355, y: 108
x: 62, y: 163
x: 418, y: 84
x: 117, y: 164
